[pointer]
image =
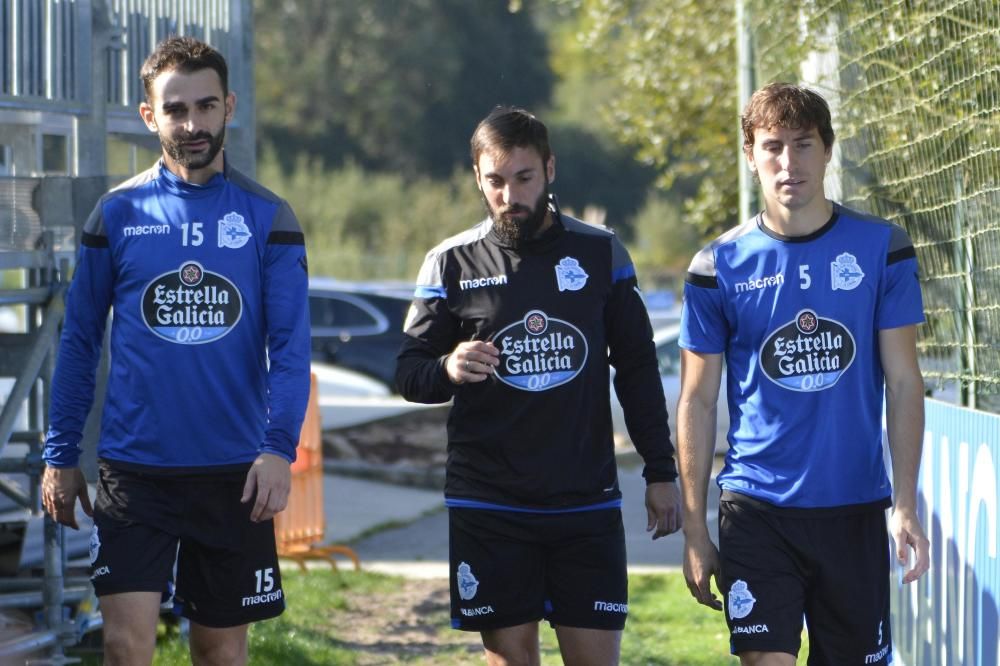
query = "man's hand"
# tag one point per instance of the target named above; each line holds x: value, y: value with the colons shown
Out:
x: 907, y: 533
x: 701, y: 564
x: 271, y: 477
x: 472, y: 361
x: 663, y: 508
x: 61, y: 486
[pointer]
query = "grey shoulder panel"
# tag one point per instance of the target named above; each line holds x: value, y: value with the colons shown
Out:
x: 285, y: 220
x: 135, y: 181
x: 430, y: 280
x: 94, y: 226
x: 619, y: 255
x: 898, y: 238
x: 466, y: 237
x: 238, y: 178
x: 900, y: 245
x: 581, y: 227
x: 703, y: 263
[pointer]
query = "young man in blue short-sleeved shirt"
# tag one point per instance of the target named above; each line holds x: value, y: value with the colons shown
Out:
x: 813, y: 307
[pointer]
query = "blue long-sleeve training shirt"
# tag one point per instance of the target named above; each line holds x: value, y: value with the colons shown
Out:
x: 210, y: 329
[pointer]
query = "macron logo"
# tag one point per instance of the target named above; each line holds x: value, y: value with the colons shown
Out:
x: 610, y: 607
x: 760, y: 283
x: 147, y: 230
x: 476, y: 283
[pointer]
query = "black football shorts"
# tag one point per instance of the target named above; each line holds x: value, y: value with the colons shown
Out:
x: 226, y: 566
x: 830, y: 569
x: 510, y: 568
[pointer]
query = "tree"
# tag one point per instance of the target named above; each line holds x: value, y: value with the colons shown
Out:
x: 674, y: 64
x: 392, y: 85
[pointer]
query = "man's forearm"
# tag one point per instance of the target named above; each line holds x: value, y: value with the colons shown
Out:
x: 905, y: 426
x: 695, y: 453
x: 421, y: 377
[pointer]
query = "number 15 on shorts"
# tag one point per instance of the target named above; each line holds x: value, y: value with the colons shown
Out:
x: 265, y: 580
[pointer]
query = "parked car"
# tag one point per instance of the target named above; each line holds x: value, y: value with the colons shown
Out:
x: 358, y: 326
x: 347, y: 398
x: 668, y: 358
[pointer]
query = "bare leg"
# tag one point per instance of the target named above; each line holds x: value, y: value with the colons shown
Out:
x: 766, y: 659
x: 512, y: 646
x: 130, y: 620
x: 589, y: 647
x: 211, y: 646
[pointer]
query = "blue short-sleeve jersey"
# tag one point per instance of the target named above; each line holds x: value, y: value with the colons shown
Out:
x: 797, y: 319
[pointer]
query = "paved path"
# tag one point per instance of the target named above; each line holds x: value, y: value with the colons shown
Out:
x: 418, y: 545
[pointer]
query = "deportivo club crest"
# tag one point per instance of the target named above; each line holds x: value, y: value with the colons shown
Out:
x: 233, y: 231
x: 741, y: 601
x: 539, y: 352
x: 467, y: 583
x: 845, y: 273
x: 95, y: 544
x: 569, y: 275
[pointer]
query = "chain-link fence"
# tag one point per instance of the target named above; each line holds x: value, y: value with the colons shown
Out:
x: 915, y: 88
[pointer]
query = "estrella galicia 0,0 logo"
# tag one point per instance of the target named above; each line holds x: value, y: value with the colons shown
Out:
x: 808, y: 353
x: 191, y: 306
x: 538, y: 353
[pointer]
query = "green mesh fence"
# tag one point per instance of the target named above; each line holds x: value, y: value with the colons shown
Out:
x: 915, y: 88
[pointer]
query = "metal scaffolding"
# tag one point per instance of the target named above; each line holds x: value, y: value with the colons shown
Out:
x: 69, y: 88
x: 36, y: 257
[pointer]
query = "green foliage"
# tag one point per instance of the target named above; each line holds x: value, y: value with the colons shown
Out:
x: 367, y: 225
x: 391, y: 85
x: 674, y: 67
x: 365, y: 110
x: 913, y: 87
x: 593, y: 171
x: 664, y: 242
x: 399, y: 87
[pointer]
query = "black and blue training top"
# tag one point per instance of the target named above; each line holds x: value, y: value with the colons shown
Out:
x: 560, y: 308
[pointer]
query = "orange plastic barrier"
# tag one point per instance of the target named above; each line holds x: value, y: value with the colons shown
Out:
x: 300, y: 527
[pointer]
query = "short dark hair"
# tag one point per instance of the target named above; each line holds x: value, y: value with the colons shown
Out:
x: 786, y: 105
x: 506, y: 128
x: 185, y: 54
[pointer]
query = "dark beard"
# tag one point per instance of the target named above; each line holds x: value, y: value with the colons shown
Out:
x: 175, y: 150
x: 513, y: 231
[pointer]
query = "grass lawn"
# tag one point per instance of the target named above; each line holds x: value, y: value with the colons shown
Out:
x: 359, y: 619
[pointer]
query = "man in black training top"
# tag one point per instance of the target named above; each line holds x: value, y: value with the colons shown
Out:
x: 519, y: 319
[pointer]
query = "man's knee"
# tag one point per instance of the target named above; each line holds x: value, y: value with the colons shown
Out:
x: 589, y: 647
x: 127, y: 645
x: 512, y: 646
x: 218, y: 654
x: 129, y: 631
x: 218, y: 647
x: 754, y: 658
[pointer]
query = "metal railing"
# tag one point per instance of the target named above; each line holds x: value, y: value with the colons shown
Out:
x: 37, y: 247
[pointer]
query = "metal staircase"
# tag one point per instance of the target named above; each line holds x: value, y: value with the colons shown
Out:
x: 37, y: 248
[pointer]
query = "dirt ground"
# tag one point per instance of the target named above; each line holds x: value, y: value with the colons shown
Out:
x: 419, y: 436
x: 410, y: 626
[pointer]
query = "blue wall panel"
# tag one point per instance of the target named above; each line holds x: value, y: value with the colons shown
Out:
x: 950, y: 617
